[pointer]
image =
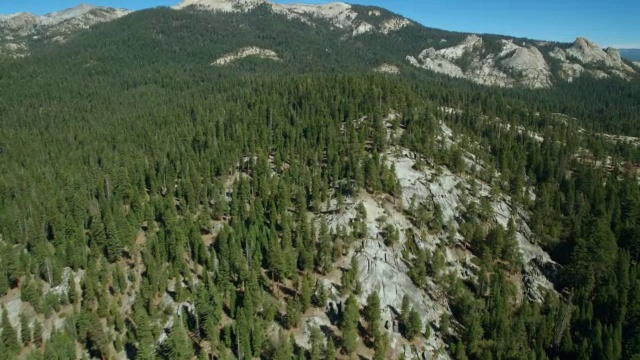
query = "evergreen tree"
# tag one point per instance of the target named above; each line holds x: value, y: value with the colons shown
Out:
x: 349, y: 325
x: 372, y: 314
x: 9, y: 336
x: 413, y: 326
x: 72, y: 292
x: 37, y: 333
x: 330, y: 353
x: 25, y: 330
x: 178, y: 343
x: 317, y: 347
x: 306, y: 292
x: 381, y: 346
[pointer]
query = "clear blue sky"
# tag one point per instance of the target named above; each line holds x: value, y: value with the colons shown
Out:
x: 607, y: 22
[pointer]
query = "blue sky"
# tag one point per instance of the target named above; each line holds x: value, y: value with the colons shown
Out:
x: 609, y: 23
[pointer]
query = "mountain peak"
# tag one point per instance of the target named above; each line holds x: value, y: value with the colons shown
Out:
x: 221, y: 5
x: 63, y: 15
x: 340, y: 15
x: 19, y: 20
x: 22, y: 26
x: 585, y: 43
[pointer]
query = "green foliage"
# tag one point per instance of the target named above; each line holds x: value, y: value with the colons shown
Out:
x: 349, y: 325
x: 413, y: 326
x: 178, y: 343
x: 320, y: 295
x: 60, y: 346
x: 391, y: 235
x: 25, y: 330
x: 317, y: 346
x: 9, y: 337
x: 349, y: 280
x: 381, y: 346
x: 372, y: 314
x: 330, y: 353
x: 37, y: 333
x: 105, y: 170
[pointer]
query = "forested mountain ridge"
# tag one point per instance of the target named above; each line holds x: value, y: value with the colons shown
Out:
x: 157, y: 203
x: 196, y: 39
x: 486, y: 59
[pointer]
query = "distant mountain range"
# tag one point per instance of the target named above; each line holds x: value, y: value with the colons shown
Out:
x: 340, y: 33
x: 630, y: 54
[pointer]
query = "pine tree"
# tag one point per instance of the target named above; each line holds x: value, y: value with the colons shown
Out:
x: 349, y: 325
x: 4, y: 282
x: 25, y: 330
x: 306, y: 292
x: 330, y: 353
x: 325, y: 248
x: 9, y: 335
x: 179, y: 344
x: 413, y: 326
x: 72, y: 292
x: 372, y: 314
x: 320, y: 298
x: 145, y: 349
x: 242, y: 332
x: 460, y: 352
x: 381, y: 346
x: 284, y: 349
x: 405, y: 308
x: 37, y: 333
x: 317, y: 348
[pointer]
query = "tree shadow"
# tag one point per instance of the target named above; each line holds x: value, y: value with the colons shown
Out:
x: 131, y: 350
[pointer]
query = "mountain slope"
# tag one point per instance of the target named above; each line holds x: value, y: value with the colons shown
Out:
x: 372, y: 35
x: 194, y: 39
x: 239, y: 182
x: 502, y: 62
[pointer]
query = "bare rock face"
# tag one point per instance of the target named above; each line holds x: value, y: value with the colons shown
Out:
x: 559, y: 54
x: 614, y: 54
x: 570, y: 71
x: 589, y: 52
x: 387, y: 69
x: 530, y: 62
x: 250, y: 51
x: 527, y: 64
x: 19, y: 21
x: 385, y: 269
x: 586, y: 51
x: 340, y: 15
x: 447, y: 191
x: 598, y: 74
x: 522, y: 64
x: 443, y: 61
x: 62, y: 23
x: 394, y: 24
x: 221, y: 5
x: 81, y: 16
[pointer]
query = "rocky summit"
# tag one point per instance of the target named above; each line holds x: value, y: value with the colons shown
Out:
x: 17, y: 31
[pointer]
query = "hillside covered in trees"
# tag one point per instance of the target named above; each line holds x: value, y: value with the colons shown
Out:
x: 154, y: 206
